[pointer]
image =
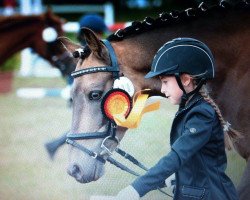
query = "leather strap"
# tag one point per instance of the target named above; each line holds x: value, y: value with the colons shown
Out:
x: 85, y: 150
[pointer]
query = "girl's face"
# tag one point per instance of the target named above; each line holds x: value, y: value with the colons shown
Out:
x: 171, y: 88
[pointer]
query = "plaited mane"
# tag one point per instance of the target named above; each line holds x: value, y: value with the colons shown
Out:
x: 174, y: 17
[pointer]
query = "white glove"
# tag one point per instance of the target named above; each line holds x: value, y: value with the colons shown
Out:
x: 127, y: 193
x: 170, y: 181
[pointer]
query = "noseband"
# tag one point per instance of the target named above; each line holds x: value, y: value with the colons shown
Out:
x: 110, y: 133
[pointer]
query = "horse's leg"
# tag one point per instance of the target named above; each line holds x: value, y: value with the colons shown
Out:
x: 53, y: 145
x: 244, y: 185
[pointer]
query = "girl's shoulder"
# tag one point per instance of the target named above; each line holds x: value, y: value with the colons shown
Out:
x: 203, y: 108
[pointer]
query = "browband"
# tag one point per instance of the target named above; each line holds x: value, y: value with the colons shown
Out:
x: 91, y: 70
x: 114, y: 67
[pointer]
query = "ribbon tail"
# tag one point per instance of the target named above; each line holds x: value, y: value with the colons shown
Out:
x: 134, y: 115
x: 151, y: 107
x: 134, y: 118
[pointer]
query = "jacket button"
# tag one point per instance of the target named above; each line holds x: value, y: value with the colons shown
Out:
x: 192, y: 130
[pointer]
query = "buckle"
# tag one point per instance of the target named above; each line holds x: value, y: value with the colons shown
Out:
x: 108, y: 142
x: 95, y: 155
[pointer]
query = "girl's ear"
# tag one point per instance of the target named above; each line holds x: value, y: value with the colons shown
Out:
x: 186, y: 79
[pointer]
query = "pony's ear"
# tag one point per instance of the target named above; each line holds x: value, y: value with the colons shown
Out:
x: 69, y: 45
x: 93, y: 42
x: 49, y: 10
x: 49, y: 13
x: 50, y: 16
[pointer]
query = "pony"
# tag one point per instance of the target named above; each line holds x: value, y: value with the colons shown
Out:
x: 18, y: 32
x: 223, y: 27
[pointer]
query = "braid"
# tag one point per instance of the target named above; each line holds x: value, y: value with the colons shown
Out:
x: 230, y: 134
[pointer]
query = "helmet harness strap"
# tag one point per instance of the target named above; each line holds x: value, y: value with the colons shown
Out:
x: 186, y: 95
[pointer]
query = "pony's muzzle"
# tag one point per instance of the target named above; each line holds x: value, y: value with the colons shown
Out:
x: 76, y: 171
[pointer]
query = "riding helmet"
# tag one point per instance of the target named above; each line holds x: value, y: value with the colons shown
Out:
x: 93, y: 21
x: 183, y: 55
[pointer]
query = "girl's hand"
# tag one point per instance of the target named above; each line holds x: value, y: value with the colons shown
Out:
x: 128, y: 193
x: 170, y: 181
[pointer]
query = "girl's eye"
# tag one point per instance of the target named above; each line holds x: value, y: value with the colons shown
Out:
x: 95, y: 95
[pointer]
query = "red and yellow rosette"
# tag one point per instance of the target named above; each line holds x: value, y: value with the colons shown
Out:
x: 116, y: 102
x: 139, y: 108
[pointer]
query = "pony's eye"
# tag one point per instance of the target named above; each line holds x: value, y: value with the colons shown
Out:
x: 95, y: 95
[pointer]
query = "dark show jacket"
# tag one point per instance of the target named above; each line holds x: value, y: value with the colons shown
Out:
x: 197, y: 157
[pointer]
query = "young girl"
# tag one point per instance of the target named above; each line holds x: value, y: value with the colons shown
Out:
x: 197, y: 156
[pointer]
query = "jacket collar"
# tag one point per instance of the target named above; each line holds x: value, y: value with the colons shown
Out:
x: 194, y: 99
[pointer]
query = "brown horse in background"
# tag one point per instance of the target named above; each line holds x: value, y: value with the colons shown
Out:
x: 18, y: 32
x: 224, y: 29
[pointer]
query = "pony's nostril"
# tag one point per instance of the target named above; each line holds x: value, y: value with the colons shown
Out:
x: 75, y: 170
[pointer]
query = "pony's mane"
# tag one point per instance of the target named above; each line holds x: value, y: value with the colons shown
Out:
x: 174, y: 17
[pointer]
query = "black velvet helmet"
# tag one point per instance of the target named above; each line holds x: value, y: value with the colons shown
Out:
x: 183, y: 55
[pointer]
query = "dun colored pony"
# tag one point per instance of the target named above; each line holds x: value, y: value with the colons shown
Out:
x: 223, y: 28
x: 18, y: 32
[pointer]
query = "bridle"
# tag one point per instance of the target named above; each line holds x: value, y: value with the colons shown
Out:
x: 61, y: 61
x: 110, y: 133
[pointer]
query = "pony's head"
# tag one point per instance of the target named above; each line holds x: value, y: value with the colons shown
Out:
x: 93, y: 135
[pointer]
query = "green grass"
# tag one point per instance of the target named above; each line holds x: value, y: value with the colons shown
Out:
x: 26, y: 171
x: 11, y: 63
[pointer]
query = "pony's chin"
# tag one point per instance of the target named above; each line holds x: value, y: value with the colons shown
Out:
x: 96, y: 175
x: 83, y: 180
x: 86, y: 180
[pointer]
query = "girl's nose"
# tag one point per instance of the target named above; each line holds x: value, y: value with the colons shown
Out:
x: 162, y: 90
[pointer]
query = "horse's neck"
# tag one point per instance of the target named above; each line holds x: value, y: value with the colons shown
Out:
x: 135, y: 61
x: 136, y: 53
x: 17, y: 34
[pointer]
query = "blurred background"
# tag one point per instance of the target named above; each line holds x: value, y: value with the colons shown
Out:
x: 34, y: 106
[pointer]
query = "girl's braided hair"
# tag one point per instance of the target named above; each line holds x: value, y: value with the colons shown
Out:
x: 230, y: 134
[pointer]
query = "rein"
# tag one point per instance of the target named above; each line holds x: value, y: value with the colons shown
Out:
x: 110, y: 133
